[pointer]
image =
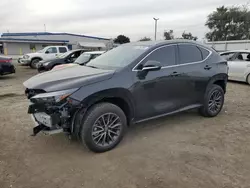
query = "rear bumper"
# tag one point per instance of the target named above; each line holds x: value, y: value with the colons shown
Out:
x: 4, y: 70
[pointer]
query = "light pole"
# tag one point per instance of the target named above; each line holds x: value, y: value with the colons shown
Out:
x: 155, y: 19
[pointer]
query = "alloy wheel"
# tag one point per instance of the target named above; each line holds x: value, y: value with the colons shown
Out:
x: 215, y: 102
x: 106, y: 129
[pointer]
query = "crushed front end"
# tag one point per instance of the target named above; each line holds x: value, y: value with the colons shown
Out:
x: 52, y: 112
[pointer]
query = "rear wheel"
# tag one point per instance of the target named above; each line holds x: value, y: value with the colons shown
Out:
x: 213, y: 101
x: 248, y: 79
x: 103, y: 127
x: 33, y: 63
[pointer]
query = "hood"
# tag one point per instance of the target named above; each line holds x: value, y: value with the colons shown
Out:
x: 33, y: 54
x: 54, y: 60
x: 71, y: 77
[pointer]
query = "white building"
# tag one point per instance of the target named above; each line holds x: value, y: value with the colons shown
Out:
x: 22, y: 43
x: 221, y: 46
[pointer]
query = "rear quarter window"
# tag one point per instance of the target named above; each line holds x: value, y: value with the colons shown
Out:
x: 62, y: 49
x: 205, y: 53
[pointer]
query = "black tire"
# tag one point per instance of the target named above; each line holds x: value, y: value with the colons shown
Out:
x: 34, y: 62
x: 206, y: 109
x: 90, y: 122
x: 248, y: 79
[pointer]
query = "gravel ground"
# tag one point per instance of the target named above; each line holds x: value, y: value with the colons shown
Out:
x: 184, y: 150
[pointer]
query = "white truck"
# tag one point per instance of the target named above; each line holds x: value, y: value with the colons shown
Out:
x: 49, y: 52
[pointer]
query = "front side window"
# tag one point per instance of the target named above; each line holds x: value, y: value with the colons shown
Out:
x: 51, y: 50
x: 243, y: 57
x: 189, y: 54
x: 164, y: 55
x: 62, y: 49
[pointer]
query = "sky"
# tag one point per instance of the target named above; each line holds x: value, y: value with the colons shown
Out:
x: 109, y: 18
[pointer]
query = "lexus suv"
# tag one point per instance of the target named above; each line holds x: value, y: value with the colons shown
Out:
x: 132, y: 83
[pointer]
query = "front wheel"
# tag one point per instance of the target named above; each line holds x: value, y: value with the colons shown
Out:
x: 33, y: 63
x: 248, y: 79
x: 103, y: 127
x: 213, y: 101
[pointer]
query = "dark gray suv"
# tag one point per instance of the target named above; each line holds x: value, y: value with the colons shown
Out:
x: 129, y: 84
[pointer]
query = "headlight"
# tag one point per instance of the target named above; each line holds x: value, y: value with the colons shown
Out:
x: 46, y: 64
x: 26, y: 57
x: 52, y: 97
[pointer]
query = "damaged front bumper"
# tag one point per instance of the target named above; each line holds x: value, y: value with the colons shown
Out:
x: 51, y: 119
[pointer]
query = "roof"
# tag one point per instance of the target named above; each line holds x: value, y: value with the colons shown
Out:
x: 95, y: 52
x: 92, y: 44
x: 48, y: 33
x: 32, y: 40
x: 228, y: 41
x: 162, y: 42
x: 230, y: 51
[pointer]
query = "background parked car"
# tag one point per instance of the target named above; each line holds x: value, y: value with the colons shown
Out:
x: 49, y: 52
x: 6, y: 66
x: 68, y: 57
x: 83, y: 59
x: 239, y: 65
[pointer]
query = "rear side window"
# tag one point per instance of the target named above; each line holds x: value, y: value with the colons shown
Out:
x: 62, y: 49
x: 164, y: 55
x: 189, y: 54
x: 204, y: 52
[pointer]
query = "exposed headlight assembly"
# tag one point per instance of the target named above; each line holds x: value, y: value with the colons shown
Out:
x: 52, y: 97
x: 46, y: 64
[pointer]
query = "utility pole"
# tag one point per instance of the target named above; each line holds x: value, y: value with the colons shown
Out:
x: 155, y: 19
x: 44, y: 28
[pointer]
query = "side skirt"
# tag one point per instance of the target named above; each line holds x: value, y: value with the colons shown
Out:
x: 170, y: 113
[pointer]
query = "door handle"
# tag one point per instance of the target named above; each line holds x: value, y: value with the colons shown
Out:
x: 175, y: 74
x: 207, y: 67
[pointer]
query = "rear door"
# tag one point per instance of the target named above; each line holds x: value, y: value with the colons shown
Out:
x: 192, y: 74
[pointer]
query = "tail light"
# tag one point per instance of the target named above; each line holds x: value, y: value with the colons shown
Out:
x: 5, y: 60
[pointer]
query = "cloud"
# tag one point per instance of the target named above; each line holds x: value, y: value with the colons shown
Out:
x: 108, y: 18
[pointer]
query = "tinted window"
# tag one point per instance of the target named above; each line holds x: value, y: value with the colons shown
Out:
x: 189, y: 54
x: 62, y: 49
x: 165, y: 55
x: 52, y: 50
x: 204, y: 52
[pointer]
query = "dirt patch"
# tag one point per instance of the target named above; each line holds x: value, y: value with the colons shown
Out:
x: 184, y: 150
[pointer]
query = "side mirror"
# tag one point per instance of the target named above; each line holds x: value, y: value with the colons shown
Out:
x: 47, y: 52
x: 151, y: 66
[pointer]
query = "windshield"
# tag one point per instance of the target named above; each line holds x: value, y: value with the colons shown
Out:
x: 118, y: 57
x: 65, y: 54
x: 82, y: 59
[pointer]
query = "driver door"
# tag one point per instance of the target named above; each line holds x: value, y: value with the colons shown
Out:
x: 156, y: 92
x: 51, y: 53
x: 238, y: 67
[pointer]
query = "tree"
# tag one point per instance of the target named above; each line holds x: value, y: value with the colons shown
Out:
x: 188, y: 36
x: 145, y: 39
x: 121, y: 39
x: 169, y: 35
x: 229, y: 23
